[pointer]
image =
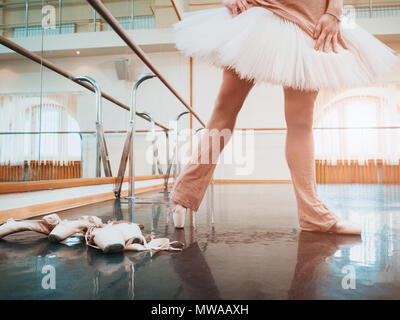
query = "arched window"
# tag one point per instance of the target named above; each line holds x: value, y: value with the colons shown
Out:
x: 365, y: 125
x: 31, y: 114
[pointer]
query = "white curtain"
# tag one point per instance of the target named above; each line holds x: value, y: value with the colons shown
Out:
x: 358, y: 112
x: 22, y: 113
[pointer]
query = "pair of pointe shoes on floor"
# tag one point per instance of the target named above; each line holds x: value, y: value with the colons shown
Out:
x: 341, y: 227
x: 110, y: 238
x: 51, y: 225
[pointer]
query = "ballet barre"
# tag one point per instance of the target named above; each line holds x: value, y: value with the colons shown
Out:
x: 114, y: 24
x: 129, y: 146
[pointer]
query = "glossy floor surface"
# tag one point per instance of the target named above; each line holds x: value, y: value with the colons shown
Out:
x: 253, y: 250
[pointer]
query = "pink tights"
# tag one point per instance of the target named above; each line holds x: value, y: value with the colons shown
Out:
x: 192, y: 184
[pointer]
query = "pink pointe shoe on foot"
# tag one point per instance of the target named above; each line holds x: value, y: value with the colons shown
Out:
x: 178, y: 215
x: 345, y: 227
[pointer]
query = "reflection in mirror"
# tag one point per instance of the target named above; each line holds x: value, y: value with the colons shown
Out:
x: 20, y: 114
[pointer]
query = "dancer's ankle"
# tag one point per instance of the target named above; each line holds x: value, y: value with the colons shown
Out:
x: 176, y: 204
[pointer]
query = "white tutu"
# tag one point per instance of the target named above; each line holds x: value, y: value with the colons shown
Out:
x: 260, y: 45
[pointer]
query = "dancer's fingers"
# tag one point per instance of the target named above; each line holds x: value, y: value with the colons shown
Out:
x: 341, y: 41
x: 234, y: 10
x: 317, y: 30
x: 335, y: 44
x: 320, y: 40
x: 327, y: 43
x: 246, y: 5
x: 241, y: 6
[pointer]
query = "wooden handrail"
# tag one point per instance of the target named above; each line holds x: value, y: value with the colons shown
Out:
x: 114, y: 24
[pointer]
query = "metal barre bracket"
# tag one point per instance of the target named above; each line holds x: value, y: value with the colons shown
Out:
x: 175, y: 155
x: 101, y: 146
x: 128, y: 151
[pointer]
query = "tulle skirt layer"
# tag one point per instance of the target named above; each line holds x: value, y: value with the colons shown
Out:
x: 261, y: 46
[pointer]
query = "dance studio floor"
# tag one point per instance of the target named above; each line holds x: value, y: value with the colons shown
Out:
x: 254, y: 250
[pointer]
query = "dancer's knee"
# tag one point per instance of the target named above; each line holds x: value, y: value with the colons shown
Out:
x: 300, y: 121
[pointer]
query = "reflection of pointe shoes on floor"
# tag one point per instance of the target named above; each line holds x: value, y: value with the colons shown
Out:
x: 45, y: 225
x: 346, y: 227
x: 178, y: 215
x: 67, y: 228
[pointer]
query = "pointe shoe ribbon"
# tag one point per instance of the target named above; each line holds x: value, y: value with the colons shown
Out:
x: 117, y: 236
x: 135, y: 241
x: 45, y: 225
x: 160, y: 244
x: 68, y: 228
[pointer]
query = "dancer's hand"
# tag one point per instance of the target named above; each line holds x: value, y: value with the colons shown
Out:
x: 327, y: 33
x: 236, y: 6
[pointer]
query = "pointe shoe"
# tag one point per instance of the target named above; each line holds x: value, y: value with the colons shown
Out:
x: 45, y: 225
x: 345, y: 227
x: 131, y: 232
x: 135, y: 241
x: 115, y: 236
x: 178, y: 215
x: 123, y: 235
x: 108, y: 239
x: 67, y: 228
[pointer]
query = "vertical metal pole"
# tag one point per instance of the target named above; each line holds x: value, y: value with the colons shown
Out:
x: 80, y: 135
x: 99, y: 118
x: 132, y: 123
x: 132, y: 12
x: 167, y: 165
x: 94, y: 20
x: 118, y: 215
x: 370, y: 8
x: 26, y: 17
x: 59, y: 15
x: 153, y: 136
x: 132, y: 114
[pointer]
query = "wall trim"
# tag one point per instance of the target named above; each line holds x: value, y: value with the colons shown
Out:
x: 233, y: 181
x: 28, y: 186
x: 58, y: 206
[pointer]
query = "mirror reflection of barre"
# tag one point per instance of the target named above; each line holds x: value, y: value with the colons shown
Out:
x: 101, y: 146
x: 129, y: 145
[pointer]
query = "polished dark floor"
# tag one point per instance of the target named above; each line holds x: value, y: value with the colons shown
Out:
x: 253, y: 250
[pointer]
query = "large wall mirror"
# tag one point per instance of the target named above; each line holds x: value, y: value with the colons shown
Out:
x: 48, y: 122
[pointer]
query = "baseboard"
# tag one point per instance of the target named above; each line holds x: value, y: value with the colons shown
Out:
x: 233, y: 181
x: 28, y: 186
x: 58, y: 206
